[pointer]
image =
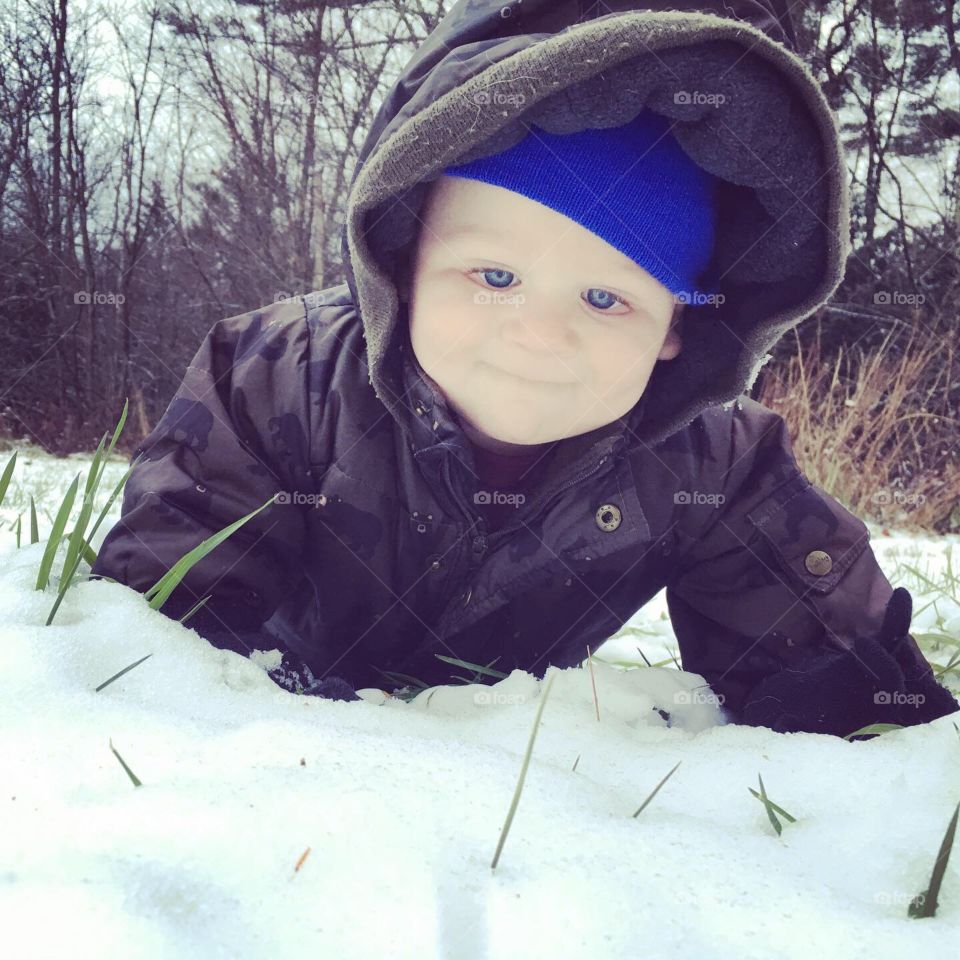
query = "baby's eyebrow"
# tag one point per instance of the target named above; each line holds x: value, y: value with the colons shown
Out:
x: 475, y: 230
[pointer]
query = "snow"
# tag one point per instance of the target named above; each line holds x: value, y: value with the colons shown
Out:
x: 401, y: 804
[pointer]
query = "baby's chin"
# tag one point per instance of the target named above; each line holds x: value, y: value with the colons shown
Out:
x: 490, y: 431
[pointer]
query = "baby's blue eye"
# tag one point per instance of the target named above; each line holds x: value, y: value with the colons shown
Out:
x: 502, y: 273
x: 607, y: 299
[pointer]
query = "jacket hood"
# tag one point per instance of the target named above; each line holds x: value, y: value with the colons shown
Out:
x: 746, y: 109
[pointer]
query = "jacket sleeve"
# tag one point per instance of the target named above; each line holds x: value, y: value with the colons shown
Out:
x: 234, y: 436
x: 780, y: 574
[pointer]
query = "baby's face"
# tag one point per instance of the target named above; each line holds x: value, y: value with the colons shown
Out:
x: 532, y: 327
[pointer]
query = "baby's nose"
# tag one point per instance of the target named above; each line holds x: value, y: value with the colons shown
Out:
x: 540, y: 331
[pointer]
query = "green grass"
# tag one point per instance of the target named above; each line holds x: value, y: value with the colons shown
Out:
x: 656, y: 789
x: 406, y: 687
x: 126, y: 669
x: 478, y: 671
x: 925, y: 904
x: 79, y: 540
x: 873, y: 730
x: 6, y: 475
x: 129, y: 772
x: 79, y: 544
x: 157, y: 594
x: 545, y: 692
x: 937, y: 641
x: 772, y: 808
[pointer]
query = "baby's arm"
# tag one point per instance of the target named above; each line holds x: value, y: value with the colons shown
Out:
x: 234, y: 435
x: 783, y: 577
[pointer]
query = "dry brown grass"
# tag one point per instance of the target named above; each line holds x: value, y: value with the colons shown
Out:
x: 875, y: 429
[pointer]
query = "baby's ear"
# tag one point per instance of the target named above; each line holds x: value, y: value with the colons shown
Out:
x: 673, y: 341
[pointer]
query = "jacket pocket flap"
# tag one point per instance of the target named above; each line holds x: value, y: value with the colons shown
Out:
x: 814, y: 537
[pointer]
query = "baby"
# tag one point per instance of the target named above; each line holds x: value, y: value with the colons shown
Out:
x: 594, y: 219
x: 525, y: 411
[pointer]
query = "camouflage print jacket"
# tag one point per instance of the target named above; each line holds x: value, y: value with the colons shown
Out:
x: 373, y: 556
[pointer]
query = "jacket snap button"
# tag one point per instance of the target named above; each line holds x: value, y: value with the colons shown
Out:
x: 201, y: 488
x: 435, y: 562
x: 608, y: 516
x: 818, y: 562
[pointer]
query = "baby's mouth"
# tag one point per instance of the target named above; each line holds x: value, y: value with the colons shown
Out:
x: 525, y: 377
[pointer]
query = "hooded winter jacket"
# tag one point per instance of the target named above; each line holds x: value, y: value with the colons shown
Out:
x: 373, y: 556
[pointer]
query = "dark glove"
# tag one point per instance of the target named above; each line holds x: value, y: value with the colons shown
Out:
x: 877, y: 681
x: 294, y: 675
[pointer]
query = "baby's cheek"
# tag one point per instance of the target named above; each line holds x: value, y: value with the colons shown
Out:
x: 625, y: 378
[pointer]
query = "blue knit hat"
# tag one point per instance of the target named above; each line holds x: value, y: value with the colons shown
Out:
x: 632, y: 185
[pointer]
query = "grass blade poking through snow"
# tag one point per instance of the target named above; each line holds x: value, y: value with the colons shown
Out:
x: 772, y: 807
x: 195, y: 608
x: 656, y: 789
x: 596, y: 702
x: 925, y: 904
x: 80, y: 527
x: 79, y: 547
x: 117, y: 676
x: 873, y: 729
x: 161, y: 590
x: 6, y: 475
x: 56, y: 534
x: 86, y: 552
x: 523, y: 772
x: 34, y: 528
x: 949, y: 668
x: 479, y: 669
x: 123, y: 764
x: 401, y: 681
